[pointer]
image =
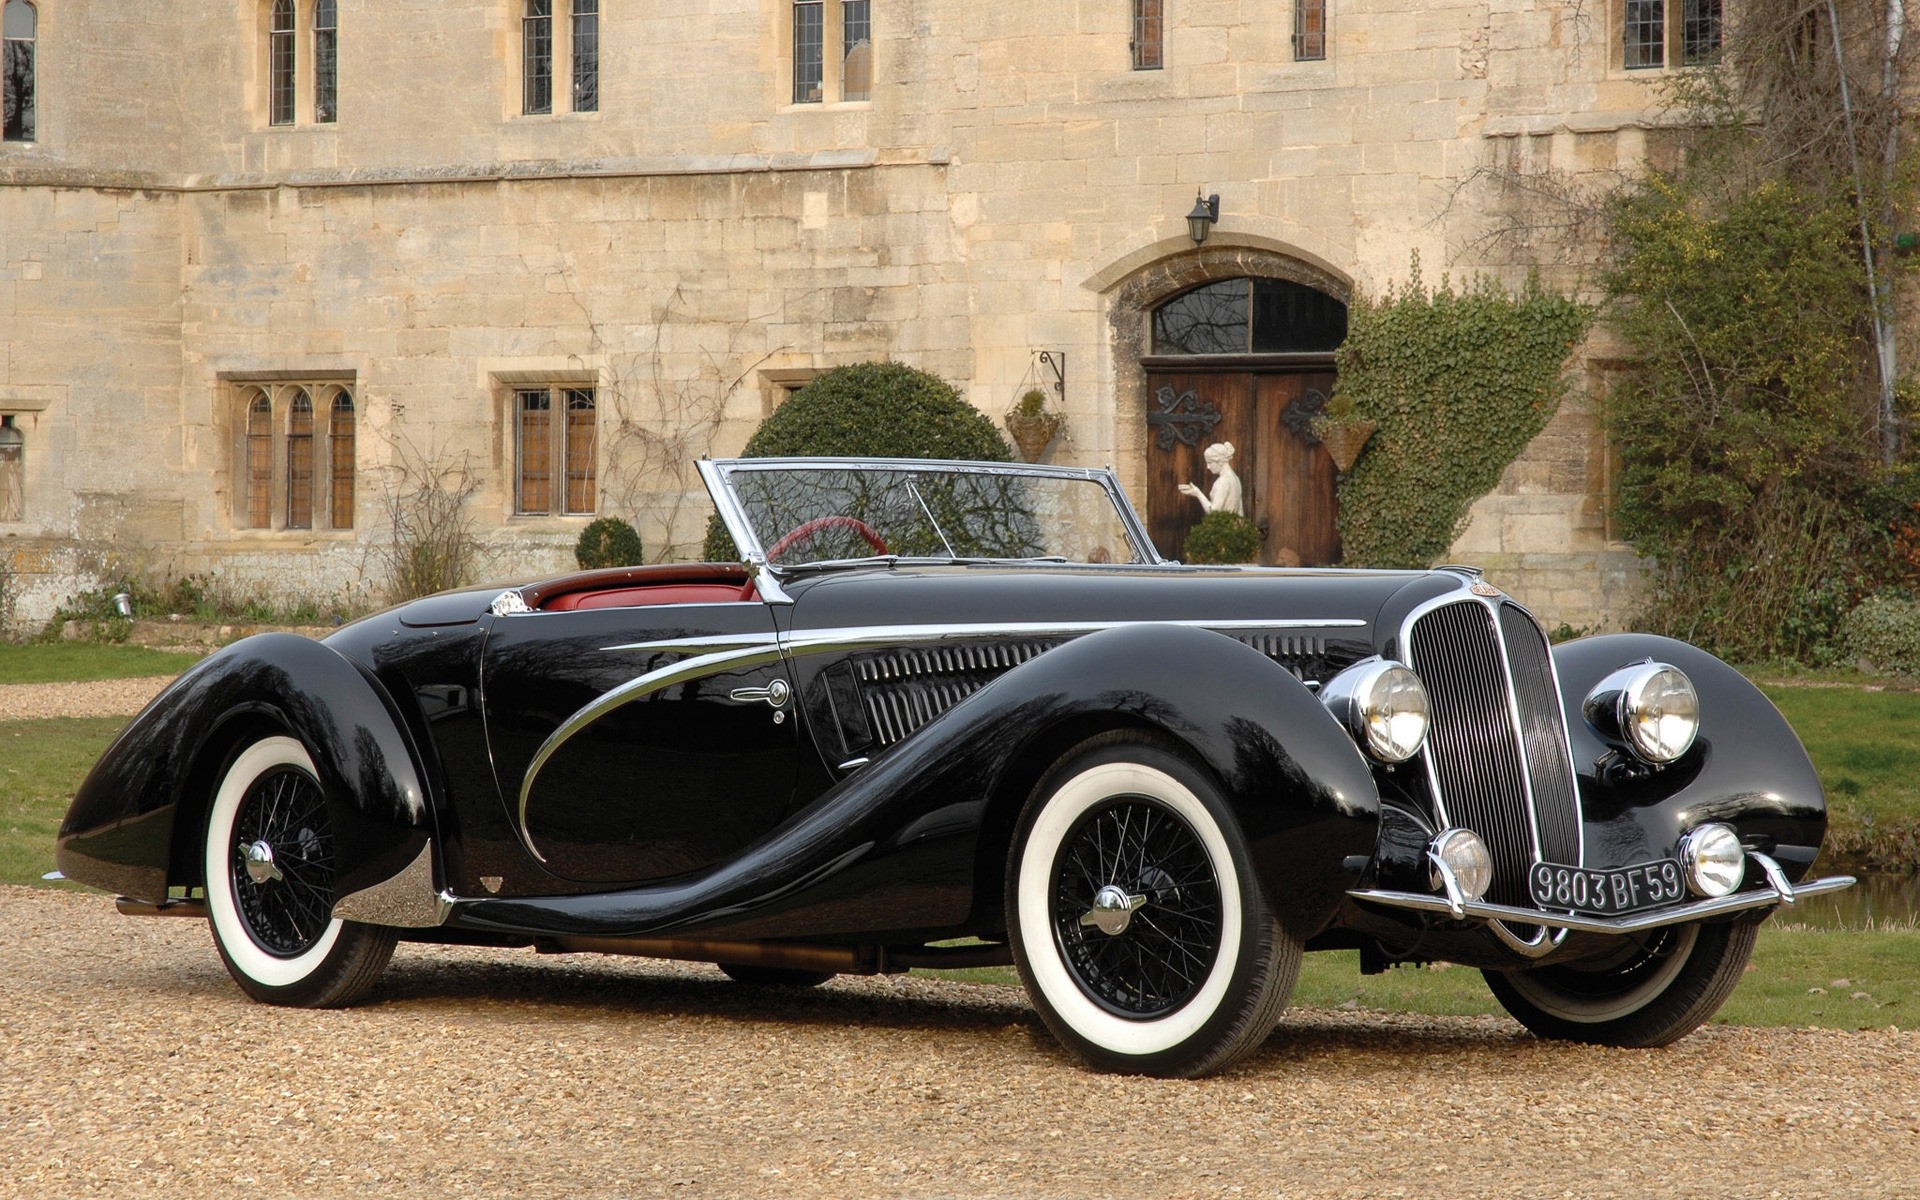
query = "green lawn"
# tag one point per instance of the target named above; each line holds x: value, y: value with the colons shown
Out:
x: 41, y: 765
x: 1866, y: 746
x: 67, y: 662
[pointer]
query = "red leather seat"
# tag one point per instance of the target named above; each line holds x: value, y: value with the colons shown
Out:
x: 657, y: 593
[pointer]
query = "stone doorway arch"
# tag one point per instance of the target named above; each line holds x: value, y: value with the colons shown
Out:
x: 1259, y: 401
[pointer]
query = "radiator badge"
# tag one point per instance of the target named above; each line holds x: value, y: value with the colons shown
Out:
x: 1482, y: 588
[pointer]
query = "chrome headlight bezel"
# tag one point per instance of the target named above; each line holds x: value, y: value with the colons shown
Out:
x: 1466, y: 857
x: 1650, y: 709
x: 1384, y: 706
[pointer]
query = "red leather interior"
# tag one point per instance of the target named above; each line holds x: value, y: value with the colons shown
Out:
x: 659, y: 593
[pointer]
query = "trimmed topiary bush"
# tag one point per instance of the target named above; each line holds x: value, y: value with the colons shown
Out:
x: 609, y: 542
x: 1223, y: 537
x: 880, y: 410
x: 1883, y: 635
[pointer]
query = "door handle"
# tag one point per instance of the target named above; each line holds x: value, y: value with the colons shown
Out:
x: 774, y: 693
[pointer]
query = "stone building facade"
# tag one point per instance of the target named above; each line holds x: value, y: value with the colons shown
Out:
x: 265, y: 262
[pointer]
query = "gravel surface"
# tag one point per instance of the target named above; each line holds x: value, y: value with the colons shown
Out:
x: 133, y: 1067
x: 99, y: 698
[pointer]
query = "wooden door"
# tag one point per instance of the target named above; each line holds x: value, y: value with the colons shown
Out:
x: 1298, y: 508
x: 1187, y: 411
x: 1286, y: 476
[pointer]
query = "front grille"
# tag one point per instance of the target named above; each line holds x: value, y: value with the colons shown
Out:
x: 1482, y: 763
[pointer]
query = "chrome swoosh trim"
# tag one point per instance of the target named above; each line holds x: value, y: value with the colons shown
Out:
x: 736, y: 655
x: 721, y: 652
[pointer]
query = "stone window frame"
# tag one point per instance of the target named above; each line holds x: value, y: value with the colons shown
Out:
x: 1657, y: 35
x: 295, y: 470
x: 813, y: 25
x: 554, y: 32
x: 300, y: 61
x: 18, y: 56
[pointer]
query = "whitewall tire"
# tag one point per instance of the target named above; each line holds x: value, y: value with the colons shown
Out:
x: 270, y: 877
x: 1136, y: 922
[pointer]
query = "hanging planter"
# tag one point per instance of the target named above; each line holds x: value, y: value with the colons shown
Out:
x: 1033, y: 425
x: 1344, y: 439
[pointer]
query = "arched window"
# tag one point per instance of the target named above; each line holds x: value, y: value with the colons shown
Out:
x: 300, y: 461
x: 260, y: 462
x: 326, y: 61
x: 18, y: 24
x: 280, y: 60
x: 1250, y: 316
x: 340, y: 455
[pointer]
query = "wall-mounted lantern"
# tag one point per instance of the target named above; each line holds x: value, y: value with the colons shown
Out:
x: 1201, y: 220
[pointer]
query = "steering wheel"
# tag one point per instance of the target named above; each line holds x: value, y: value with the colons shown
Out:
x: 806, y: 529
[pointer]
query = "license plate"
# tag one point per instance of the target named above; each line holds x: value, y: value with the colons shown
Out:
x: 1615, y: 890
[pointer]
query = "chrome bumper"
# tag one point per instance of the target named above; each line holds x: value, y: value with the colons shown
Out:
x: 1776, y: 892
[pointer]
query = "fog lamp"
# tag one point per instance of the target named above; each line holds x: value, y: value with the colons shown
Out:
x: 1466, y: 857
x: 1714, y: 859
x: 1649, y: 707
x: 1384, y: 706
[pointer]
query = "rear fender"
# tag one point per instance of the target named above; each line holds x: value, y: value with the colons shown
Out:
x: 136, y: 823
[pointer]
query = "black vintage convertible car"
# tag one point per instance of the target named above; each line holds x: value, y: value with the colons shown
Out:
x: 963, y: 714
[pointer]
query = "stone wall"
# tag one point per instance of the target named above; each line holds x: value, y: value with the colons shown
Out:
x: 699, y: 244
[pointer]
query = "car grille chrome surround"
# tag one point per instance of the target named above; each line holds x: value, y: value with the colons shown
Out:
x: 1497, y: 757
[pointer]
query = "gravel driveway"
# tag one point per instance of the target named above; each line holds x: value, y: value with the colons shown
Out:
x: 133, y: 1067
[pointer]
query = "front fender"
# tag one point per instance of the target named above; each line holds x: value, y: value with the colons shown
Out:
x: 1746, y: 768
x: 124, y: 828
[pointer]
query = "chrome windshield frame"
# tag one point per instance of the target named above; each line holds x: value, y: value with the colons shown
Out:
x: 714, y: 473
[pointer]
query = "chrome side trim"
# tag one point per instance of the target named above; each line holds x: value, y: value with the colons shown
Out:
x: 407, y: 900
x: 1698, y: 910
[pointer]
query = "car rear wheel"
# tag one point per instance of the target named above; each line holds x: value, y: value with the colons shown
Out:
x: 757, y: 976
x: 270, y: 885
x: 1653, y: 992
x: 1136, y: 922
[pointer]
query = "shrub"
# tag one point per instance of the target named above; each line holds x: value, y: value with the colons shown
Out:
x: 1223, y: 537
x: 1459, y: 382
x: 1883, y: 634
x: 877, y: 410
x: 609, y: 542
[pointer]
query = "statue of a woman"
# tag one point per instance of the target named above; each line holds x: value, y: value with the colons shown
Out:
x: 1226, y: 486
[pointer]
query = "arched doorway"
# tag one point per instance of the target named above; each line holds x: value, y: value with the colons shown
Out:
x: 1248, y: 360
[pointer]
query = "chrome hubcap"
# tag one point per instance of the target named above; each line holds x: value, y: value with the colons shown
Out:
x: 260, y: 865
x: 1112, y: 910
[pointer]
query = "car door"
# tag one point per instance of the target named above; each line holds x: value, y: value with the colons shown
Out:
x: 639, y: 743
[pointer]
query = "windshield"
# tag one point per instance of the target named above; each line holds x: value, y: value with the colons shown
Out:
x: 799, y: 512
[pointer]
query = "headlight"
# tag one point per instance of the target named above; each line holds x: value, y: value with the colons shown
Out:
x: 1714, y: 859
x: 1383, y: 705
x: 1466, y: 857
x: 1649, y: 707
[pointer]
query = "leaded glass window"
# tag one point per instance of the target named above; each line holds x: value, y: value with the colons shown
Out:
x: 856, y: 50
x: 1699, y: 32
x: 586, y: 55
x: 1309, y: 30
x: 1250, y: 316
x: 554, y: 460
x: 300, y: 461
x: 1646, y: 34
x: 18, y: 29
x: 809, y: 40
x: 326, y: 61
x: 1148, y: 34
x: 280, y: 64
x: 536, y: 62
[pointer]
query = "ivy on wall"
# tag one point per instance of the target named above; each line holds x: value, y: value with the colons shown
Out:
x: 1459, y: 381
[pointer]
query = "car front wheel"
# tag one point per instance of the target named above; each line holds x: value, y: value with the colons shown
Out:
x: 1652, y: 992
x: 270, y: 885
x: 1136, y: 922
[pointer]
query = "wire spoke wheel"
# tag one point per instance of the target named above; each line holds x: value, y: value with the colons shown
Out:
x: 283, y: 863
x: 1168, y: 943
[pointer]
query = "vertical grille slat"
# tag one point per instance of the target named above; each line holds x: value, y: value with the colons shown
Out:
x: 1477, y: 764
x: 1556, y: 803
